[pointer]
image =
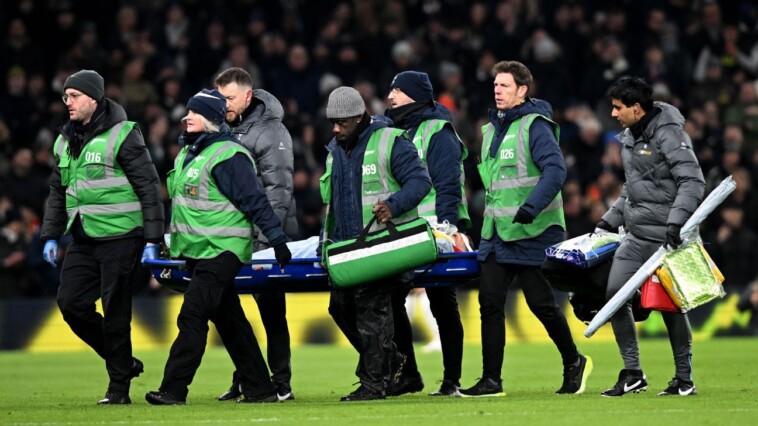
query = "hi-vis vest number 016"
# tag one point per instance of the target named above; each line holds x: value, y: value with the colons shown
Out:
x: 96, y: 187
x: 377, y: 182
x: 422, y: 138
x: 509, y: 179
x: 204, y: 223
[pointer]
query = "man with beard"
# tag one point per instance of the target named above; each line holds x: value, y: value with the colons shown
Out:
x: 106, y: 193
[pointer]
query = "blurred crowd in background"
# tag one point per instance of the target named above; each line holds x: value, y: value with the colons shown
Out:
x: 701, y: 56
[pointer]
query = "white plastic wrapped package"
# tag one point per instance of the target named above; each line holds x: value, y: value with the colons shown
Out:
x: 585, y: 251
x: 689, y: 232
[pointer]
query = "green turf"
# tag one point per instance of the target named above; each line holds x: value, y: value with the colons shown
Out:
x: 63, y: 388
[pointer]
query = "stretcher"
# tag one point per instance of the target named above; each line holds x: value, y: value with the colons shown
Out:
x: 307, y: 274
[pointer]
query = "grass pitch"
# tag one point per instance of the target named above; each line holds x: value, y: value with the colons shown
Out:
x: 63, y: 388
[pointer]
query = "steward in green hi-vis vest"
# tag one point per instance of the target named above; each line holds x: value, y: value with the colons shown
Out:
x: 204, y: 223
x: 424, y: 133
x: 96, y: 187
x: 377, y: 182
x: 509, y: 179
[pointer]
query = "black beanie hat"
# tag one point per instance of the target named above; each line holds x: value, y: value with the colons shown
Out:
x: 211, y: 104
x: 88, y: 82
x: 414, y: 84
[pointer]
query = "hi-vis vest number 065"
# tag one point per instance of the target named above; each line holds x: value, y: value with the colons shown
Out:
x: 509, y: 179
x: 204, y: 223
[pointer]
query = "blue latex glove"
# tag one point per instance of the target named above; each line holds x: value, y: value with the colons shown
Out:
x: 150, y: 252
x: 50, y: 252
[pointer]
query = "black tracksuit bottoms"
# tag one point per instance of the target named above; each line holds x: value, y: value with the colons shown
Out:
x: 444, y: 306
x: 496, y: 278
x: 211, y: 296
x: 102, y: 270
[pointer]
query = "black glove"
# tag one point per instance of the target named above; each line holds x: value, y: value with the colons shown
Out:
x: 282, y: 254
x: 605, y: 226
x: 673, y: 239
x: 523, y: 217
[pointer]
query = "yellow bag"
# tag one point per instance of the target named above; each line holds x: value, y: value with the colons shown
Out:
x: 690, y: 277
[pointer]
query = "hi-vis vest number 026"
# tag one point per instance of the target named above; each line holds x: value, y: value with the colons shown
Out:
x: 422, y: 138
x: 509, y: 179
x: 377, y: 182
x: 204, y: 223
x: 96, y: 187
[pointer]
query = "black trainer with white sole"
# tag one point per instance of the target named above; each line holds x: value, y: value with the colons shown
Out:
x: 629, y: 381
x: 679, y: 387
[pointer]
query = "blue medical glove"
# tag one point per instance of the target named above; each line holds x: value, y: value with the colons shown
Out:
x: 50, y: 252
x: 150, y: 251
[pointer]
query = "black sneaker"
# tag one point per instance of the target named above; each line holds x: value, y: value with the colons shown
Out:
x: 245, y: 399
x: 137, y: 368
x: 362, y: 394
x: 163, y: 398
x: 447, y: 388
x: 629, y: 381
x: 575, y: 377
x: 234, y: 392
x: 286, y: 396
x: 679, y: 387
x: 115, y: 398
x: 484, y: 387
x: 406, y: 384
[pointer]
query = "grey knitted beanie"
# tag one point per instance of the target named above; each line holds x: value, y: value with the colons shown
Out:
x: 345, y: 102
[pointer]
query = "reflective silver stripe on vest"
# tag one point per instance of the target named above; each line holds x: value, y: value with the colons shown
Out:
x: 511, y: 211
x: 109, y: 182
x: 111, y: 208
x: 110, y: 148
x: 218, y: 206
x: 520, y: 156
x: 61, y: 145
x: 515, y: 183
x: 214, y: 232
x: 202, y: 191
x: 425, y: 208
x: 384, y: 139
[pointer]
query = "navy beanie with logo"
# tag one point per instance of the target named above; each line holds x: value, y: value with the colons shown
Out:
x: 414, y: 84
x: 209, y: 103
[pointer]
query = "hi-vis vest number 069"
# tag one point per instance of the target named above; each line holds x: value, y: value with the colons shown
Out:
x: 96, y: 187
x: 377, y: 182
x: 204, y: 223
x: 508, y: 181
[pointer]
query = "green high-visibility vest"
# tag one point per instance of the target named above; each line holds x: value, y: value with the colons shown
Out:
x: 96, y: 186
x: 509, y: 179
x: 422, y: 137
x: 204, y: 223
x: 377, y: 182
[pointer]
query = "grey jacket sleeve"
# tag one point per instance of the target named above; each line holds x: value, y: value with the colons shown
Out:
x: 135, y: 160
x: 686, y: 172
x: 615, y: 215
x: 54, y: 221
x: 272, y: 152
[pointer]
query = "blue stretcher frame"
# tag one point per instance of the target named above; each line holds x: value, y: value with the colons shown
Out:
x: 307, y: 274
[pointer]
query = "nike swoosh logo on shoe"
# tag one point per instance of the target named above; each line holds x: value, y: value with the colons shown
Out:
x: 634, y: 385
x: 687, y: 392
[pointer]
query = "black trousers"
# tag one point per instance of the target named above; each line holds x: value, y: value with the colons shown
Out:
x: 444, y: 306
x: 495, y: 280
x: 211, y: 296
x: 364, y: 314
x: 102, y: 270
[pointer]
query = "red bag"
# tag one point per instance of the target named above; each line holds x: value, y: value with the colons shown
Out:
x: 654, y: 296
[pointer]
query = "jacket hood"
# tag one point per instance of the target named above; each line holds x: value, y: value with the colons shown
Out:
x: 265, y: 108
x: 375, y: 124
x: 530, y: 106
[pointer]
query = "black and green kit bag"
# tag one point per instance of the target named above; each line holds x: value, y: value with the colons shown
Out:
x: 380, y: 254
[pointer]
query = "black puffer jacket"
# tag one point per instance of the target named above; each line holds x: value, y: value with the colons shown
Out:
x: 133, y: 158
x: 664, y: 182
x: 264, y: 135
